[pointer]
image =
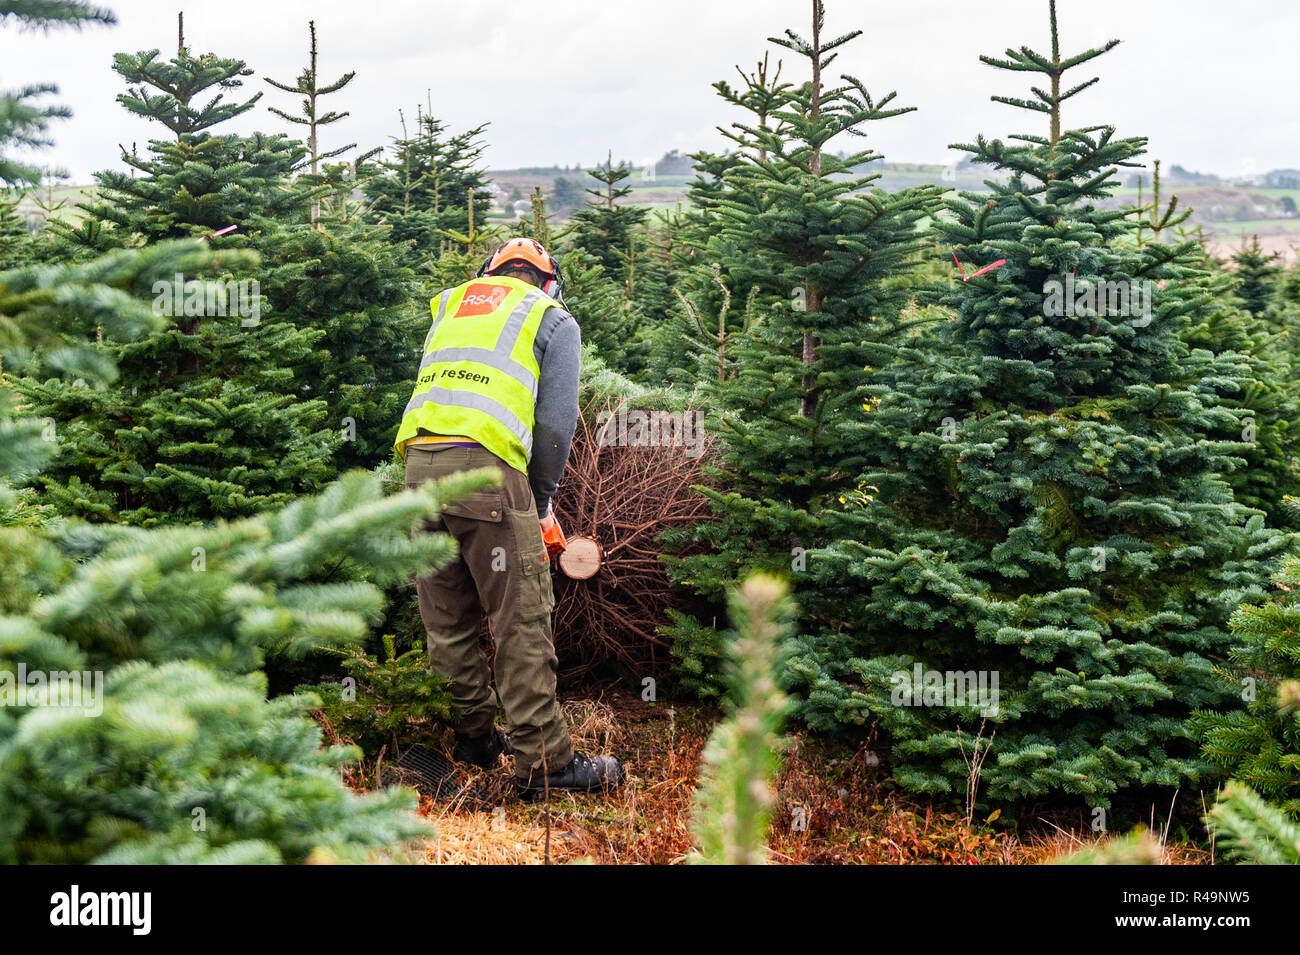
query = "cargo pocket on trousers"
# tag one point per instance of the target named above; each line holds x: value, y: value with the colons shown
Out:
x: 536, y: 598
x: 485, y: 504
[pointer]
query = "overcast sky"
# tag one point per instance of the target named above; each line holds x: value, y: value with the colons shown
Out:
x: 1212, y: 84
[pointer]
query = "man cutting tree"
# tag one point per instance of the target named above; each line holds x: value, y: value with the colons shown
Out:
x: 498, y: 387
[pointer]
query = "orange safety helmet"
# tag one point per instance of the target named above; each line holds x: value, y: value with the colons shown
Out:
x: 530, y: 252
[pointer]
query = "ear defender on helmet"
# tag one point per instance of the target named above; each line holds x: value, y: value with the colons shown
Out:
x: 554, y: 286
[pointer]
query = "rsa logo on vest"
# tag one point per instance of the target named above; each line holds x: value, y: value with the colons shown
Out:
x: 481, y: 299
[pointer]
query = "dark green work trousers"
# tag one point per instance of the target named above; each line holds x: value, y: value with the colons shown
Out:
x: 502, y: 571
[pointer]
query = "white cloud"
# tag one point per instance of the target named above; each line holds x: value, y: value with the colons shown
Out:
x: 564, y: 82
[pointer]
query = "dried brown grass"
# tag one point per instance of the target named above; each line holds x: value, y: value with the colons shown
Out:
x: 846, y: 809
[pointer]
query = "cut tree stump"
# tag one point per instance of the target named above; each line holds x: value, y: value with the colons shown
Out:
x: 581, y: 559
x: 612, y: 593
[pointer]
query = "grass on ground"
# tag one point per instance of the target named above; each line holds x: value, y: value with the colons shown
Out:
x: 834, y: 805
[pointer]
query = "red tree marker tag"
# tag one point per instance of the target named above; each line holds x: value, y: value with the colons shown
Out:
x: 987, y: 268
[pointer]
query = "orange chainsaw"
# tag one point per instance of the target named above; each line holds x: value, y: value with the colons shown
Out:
x: 553, y: 535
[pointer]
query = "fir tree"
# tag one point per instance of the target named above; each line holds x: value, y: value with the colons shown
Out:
x: 204, y: 419
x: 1257, y: 275
x: 604, y: 228
x: 433, y: 182
x: 16, y: 245
x: 186, y: 762
x: 608, y: 318
x: 345, y: 280
x: 690, y: 338
x: 392, y: 701
x: 1047, y: 504
x: 537, y: 224
x: 175, y: 621
x: 307, y: 85
x: 566, y: 196
x: 1259, y: 743
x: 656, y: 275
x: 807, y: 229
x: 23, y: 120
x: 1251, y: 831
x: 711, y: 347
x: 734, y: 798
x: 1255, y: 360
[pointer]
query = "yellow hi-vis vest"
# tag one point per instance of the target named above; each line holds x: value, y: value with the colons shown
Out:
x: 478, y: 377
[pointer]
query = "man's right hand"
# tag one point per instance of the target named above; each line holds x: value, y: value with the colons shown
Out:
x: 553, y: 535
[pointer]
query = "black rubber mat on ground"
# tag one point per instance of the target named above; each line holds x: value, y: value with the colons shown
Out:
x: 436, y: 776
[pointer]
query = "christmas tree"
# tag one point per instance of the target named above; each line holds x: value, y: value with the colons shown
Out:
x: 308, y: 86
x: 161, y: 631
x: 807, y: 228
x: 135, y: 727
x: 229, y: 410
x: 606, y: 229
x: 1254, y: 360
x: 1045, y: 555
x: 1259, y: 743
x: 694, y: 335
x: 432, y: 183
x: 1257, y: 275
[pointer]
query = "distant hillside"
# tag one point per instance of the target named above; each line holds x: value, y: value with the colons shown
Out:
x: 1229, y: 210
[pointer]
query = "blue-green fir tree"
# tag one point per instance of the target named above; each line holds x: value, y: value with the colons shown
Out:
x: 1258, y: 742
x: 204, y: 417
x: 427, y: 187
x: 1046, y: 503
x: 807, y: 228
x: 173, y: 753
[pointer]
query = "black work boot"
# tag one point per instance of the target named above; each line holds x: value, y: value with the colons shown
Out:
x: 584, y: 774
x: 481, y: 751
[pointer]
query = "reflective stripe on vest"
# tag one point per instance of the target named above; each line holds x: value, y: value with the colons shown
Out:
x: 489, y: 406
x: 498, y: 356
x: 478, y: 375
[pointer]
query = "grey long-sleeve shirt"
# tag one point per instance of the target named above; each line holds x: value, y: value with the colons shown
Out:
x: 558, y: 350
